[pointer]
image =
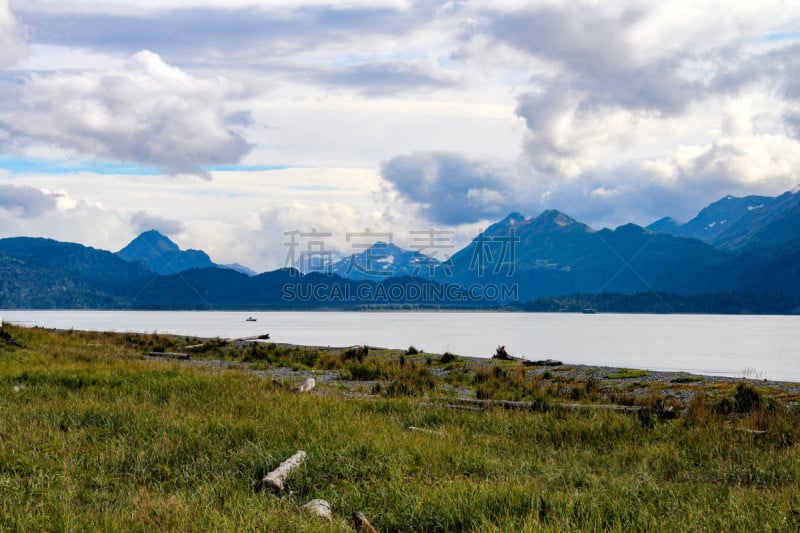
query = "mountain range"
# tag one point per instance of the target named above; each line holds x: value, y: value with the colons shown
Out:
x: 746, y: 248
x: 741, y: 224
x: 158, y: 253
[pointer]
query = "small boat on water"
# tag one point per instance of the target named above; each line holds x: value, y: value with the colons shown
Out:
x: 589, y: 311
x: 250, y: 319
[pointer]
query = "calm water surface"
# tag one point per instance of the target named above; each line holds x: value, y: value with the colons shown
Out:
x: 751, y: 346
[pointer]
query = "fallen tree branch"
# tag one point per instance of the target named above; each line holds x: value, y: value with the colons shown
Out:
x: 361, y: 523
x: 425, y: 430
x: 276, y: 480
x: 169, y: 355
x: 751, y: 431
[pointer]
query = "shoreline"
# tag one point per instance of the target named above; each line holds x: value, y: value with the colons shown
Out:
x: 617, y: 384
x: 751, y: 347
x: 625, y: 384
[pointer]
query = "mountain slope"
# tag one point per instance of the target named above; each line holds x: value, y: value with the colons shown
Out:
x: 162, y: 255
x: 741, y: 224
x: 47, y: 273
x: 773, y: 225
x: 383, y: 260
x: 553, y: 254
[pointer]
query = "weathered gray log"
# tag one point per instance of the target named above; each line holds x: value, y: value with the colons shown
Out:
x: 169, y: 355
x: 276, y: 480
x: 506, y: 404
x: 752, y: 431
x: 307, y: 386
x: 320, y: 508
x: 453, y: 406
x: 503, y: 355
x: 601, y: 406
x: 361, y: 523
x: 425, y: 430
x: 252, y: 338
x: 538, y: 406
x: 544, y: 362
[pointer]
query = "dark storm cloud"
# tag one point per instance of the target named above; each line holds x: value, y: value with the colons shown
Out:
x: 450, y: 188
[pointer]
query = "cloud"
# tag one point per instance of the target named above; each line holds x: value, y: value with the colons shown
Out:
x: 26, y: 202
x: 451, y: 188
x: 565, y: 138
x: 12, y: 37
x: 143, y: 221
x: 600, y: 72
x: 378, y: 78
x: 220, y: 34
x: 148, y: 113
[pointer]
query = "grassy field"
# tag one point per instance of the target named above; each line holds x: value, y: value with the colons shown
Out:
x: 94, y: 435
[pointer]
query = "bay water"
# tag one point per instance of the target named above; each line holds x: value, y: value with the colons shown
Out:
x: 752, y: 346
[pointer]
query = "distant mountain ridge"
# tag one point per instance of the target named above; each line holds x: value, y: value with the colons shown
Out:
x: 553, y: 254
x: 382, y: 260
x: 164, y: 257
x: 740, y: 224
x: 756, y: 258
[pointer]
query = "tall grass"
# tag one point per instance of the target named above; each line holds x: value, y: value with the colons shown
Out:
x: 96, y: 437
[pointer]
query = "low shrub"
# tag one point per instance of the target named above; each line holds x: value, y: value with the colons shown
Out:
x: 356, y: 352
x: 747, y: 399
x: 447, y: 358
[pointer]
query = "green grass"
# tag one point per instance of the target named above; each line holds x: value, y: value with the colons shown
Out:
x: 95, y: 436
x: 687, y: 379
x: 627, y: 373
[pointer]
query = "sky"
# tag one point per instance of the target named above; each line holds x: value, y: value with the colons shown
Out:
x: 229, y: 125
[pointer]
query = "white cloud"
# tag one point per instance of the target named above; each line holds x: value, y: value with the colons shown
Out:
x: 143, y: 221
x: 625, y: 111
x: 149, y: 113
x: 236, y: 217
x: 12, y: 36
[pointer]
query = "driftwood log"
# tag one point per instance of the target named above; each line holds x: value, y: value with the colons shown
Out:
x: 425, y: 430
x: 320, y: 508
x: 536, y: 406
x: 307, y: 386
x: 543, y: 362
x: 502, y: 354
x: 169, y: 355
x: 660, y: 411
x: 276, y: 480
x: 752, y: 431
x: 361, y: 523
